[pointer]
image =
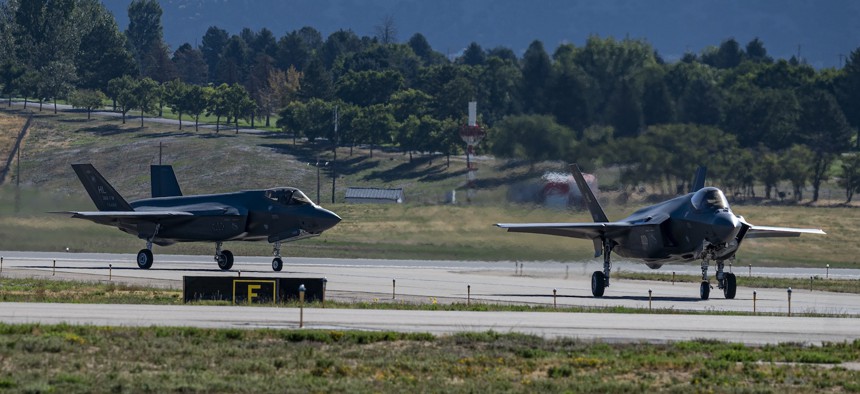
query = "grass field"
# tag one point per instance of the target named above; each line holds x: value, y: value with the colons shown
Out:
x: 86, y: 359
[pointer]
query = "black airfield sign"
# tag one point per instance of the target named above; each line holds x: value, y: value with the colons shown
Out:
x: 251, y: 290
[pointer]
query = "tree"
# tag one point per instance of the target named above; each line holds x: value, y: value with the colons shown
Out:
x: 531, y: 137
x: 145, y: 34
x: 536, y: 77
x: 625, y: 110
x: 850, y: 179
x: 473, y: 55
x: 190, y: 65
x: 756, y: 52
x: 374, y: 124
x: 10, y: 75
x: 701, y: 103
x: 218, y: 104
x: 293, y: 119
x: 386, y: 30
x: 770, y: 171
x: 102, y: 54
x: 57, y: 79
x: 338, y: 44
x: 825, y: 131
x: 196, y: 101
x: 121, y: 90
x: 848, y: 92
x: 728, y: 55
x: 424, y: 51
x: 795, y: 164
x: 317, y: 81
x: 366, y: 88
x: 146, y: 93
x: 292, y: 51
x: 212, y: 46
x: 234, y: 64
x: 239, y: 103
x: 87, y: 99
x: 175, y: 92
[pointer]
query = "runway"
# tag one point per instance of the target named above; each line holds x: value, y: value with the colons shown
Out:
x: 421, y: 281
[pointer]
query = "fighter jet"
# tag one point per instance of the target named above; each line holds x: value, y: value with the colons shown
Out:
x: 276, y: 215
x: 696, y: 226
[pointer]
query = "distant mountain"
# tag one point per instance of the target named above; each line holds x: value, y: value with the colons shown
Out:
x: 820, y: 31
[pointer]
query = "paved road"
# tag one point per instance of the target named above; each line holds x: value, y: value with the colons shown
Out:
x: 613, y: 327
x: 423, y: 281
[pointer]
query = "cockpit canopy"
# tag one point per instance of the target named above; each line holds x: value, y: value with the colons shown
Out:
x: 288, y: 196
x: 709, y: 198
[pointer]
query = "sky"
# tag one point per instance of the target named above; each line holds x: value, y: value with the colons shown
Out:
x: 822, y: 32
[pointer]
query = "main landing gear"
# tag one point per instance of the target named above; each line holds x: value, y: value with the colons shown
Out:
x: 223, y: 257
x: 600, y: 279
x: 144, y: 257
x: 277, y: 263
x: 726, y: 281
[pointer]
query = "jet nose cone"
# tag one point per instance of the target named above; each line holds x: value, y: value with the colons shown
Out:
x: 326, y: 219
x: 725, y: 228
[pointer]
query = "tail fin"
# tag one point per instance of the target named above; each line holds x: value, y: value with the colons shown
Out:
x: 593, y: 206
x: 164, y: 183
x: 102, y: 193
x: 699, y: 180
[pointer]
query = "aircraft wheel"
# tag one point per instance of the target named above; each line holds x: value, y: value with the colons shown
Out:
x: 225, y: 260
x: 705, y: 290
x: 144, y: 259
x: 277, y: 264
x: 598, y: 283
x: 731, y: 287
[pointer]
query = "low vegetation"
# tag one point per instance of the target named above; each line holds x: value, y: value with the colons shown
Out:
x: 814, y: 283
x: 61, y: 358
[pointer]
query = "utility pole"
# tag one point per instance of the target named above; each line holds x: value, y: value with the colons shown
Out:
x: 334, y: 160
x: 318, y: 178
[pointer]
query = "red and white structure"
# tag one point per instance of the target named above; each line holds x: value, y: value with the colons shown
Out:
x: 471, y: 134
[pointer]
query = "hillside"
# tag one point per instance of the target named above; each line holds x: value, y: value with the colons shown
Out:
x: 209, y: 162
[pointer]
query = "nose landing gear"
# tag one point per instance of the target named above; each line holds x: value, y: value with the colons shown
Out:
x: 224, y: 258
x: 277, y: 263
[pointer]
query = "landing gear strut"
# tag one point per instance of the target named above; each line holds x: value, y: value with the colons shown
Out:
x: 224, y: 258
x: 727, y: 281
x: 705, y: 287
x: 600, y: 279
x: 277, y: 263
x: 144, y: 256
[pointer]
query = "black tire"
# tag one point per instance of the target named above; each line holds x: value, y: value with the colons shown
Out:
x: 144, y: 259
x: 705, y: 290
x: 598, y: 283
x: 730, y: 288
x: 225, y: 260
x: 277, y: 264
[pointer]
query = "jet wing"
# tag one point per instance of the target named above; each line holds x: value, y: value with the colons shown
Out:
x: 573, y: 230
x: 111, y: 218
x: 772, y: 232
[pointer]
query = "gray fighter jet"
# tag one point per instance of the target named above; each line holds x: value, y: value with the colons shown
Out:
x: 696, y: 226
x: 276, y: 215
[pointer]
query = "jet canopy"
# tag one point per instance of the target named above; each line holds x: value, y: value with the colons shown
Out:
x: 288, y: 196
x: 709, y: 198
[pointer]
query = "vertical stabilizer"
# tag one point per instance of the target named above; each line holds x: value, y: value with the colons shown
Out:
x: 593, y: 206
x: 164, y: 183
x: 102, y: 193
x: 699, y: 180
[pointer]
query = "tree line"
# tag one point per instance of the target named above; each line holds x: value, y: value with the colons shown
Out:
x: 754, y: 119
